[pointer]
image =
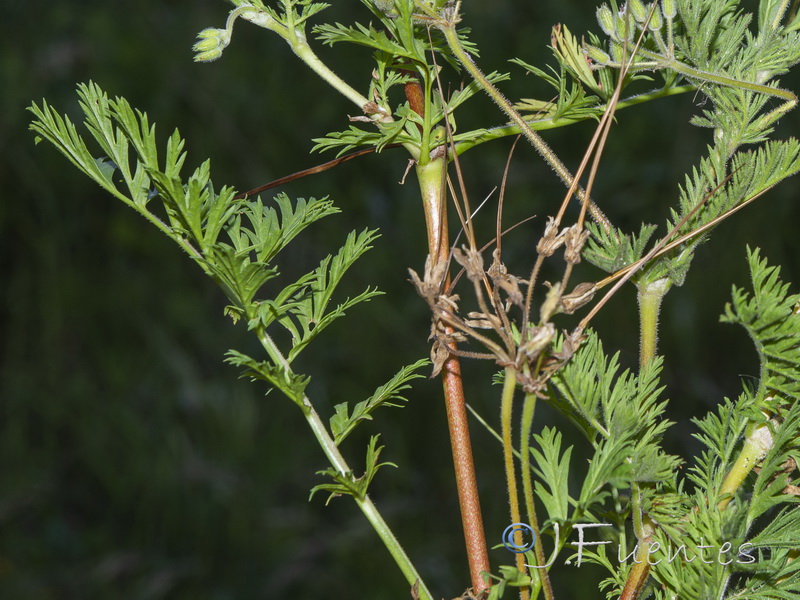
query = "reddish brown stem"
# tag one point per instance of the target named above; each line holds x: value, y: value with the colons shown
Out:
x: 431, y: 180
x: 466, y: 483
x: 637, y: 577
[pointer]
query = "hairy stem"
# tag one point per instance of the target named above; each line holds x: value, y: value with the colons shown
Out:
x: 755, y: 448
x: 643, y: 529
x: 545, y: 123
x: 637, y: 576
x: 528, y: 409
x: 693, y: 73
x: 449, y: 30
x: 431, y: 177
x: 650, y: 297
x: 506, y: 406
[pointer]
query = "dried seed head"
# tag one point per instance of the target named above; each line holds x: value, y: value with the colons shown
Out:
x: 575, y: 240
x: 502, y: 280
x: 471, y: 260
x: 480, y: 320
x: 447, y: 305
x: 583, y: 293
x: 531, y: 385
x: 433, y: 282
x: 443, y: 338
x: 551, y: 239
x: 570, y: 345
x: 538, y: 340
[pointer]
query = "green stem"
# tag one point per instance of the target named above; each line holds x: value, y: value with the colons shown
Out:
x: 650, y: 297
x: 694, y: 73
x: 779, y: 14
x: 450, y: 34
x: 643, y: 529
x: 528, y: 409
x: 756, y: 445
x: 432, y: 180
x: 307, y: 55
x: 298, y: 42
x: 667, y: 62
x: 340, y: 464
x: 637, y: 511
x: 506, y: 406
x: 554, y: 123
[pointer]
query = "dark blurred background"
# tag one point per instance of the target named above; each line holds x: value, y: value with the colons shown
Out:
x: 133, y: 462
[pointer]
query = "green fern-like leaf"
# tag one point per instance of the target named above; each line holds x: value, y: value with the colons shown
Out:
x: 302, y: 308
x: 347, y: 483
x: 768, y: 315
x: 552, y: 467
x: 291, y: 384
x: 389, y: 394
x: 621, y: 415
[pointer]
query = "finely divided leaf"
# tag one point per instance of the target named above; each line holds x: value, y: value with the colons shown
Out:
x: 553, y: 469
x: 389, y: 394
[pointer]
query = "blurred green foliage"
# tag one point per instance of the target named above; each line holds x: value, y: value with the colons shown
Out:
x: 133, y: 464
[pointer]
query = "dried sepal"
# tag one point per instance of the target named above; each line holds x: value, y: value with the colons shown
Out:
x: 569, y: 346
x: 574, y: 240
x: 472, y: 261
x: 480, y: 320
x: 439, y: 355
x: 539, y: 339
x: 498, y: 273
x: 444, y: 338
x: 551, y: 240
x: 533, y: 385
x: 430, y: 286
x: 557, y: 359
